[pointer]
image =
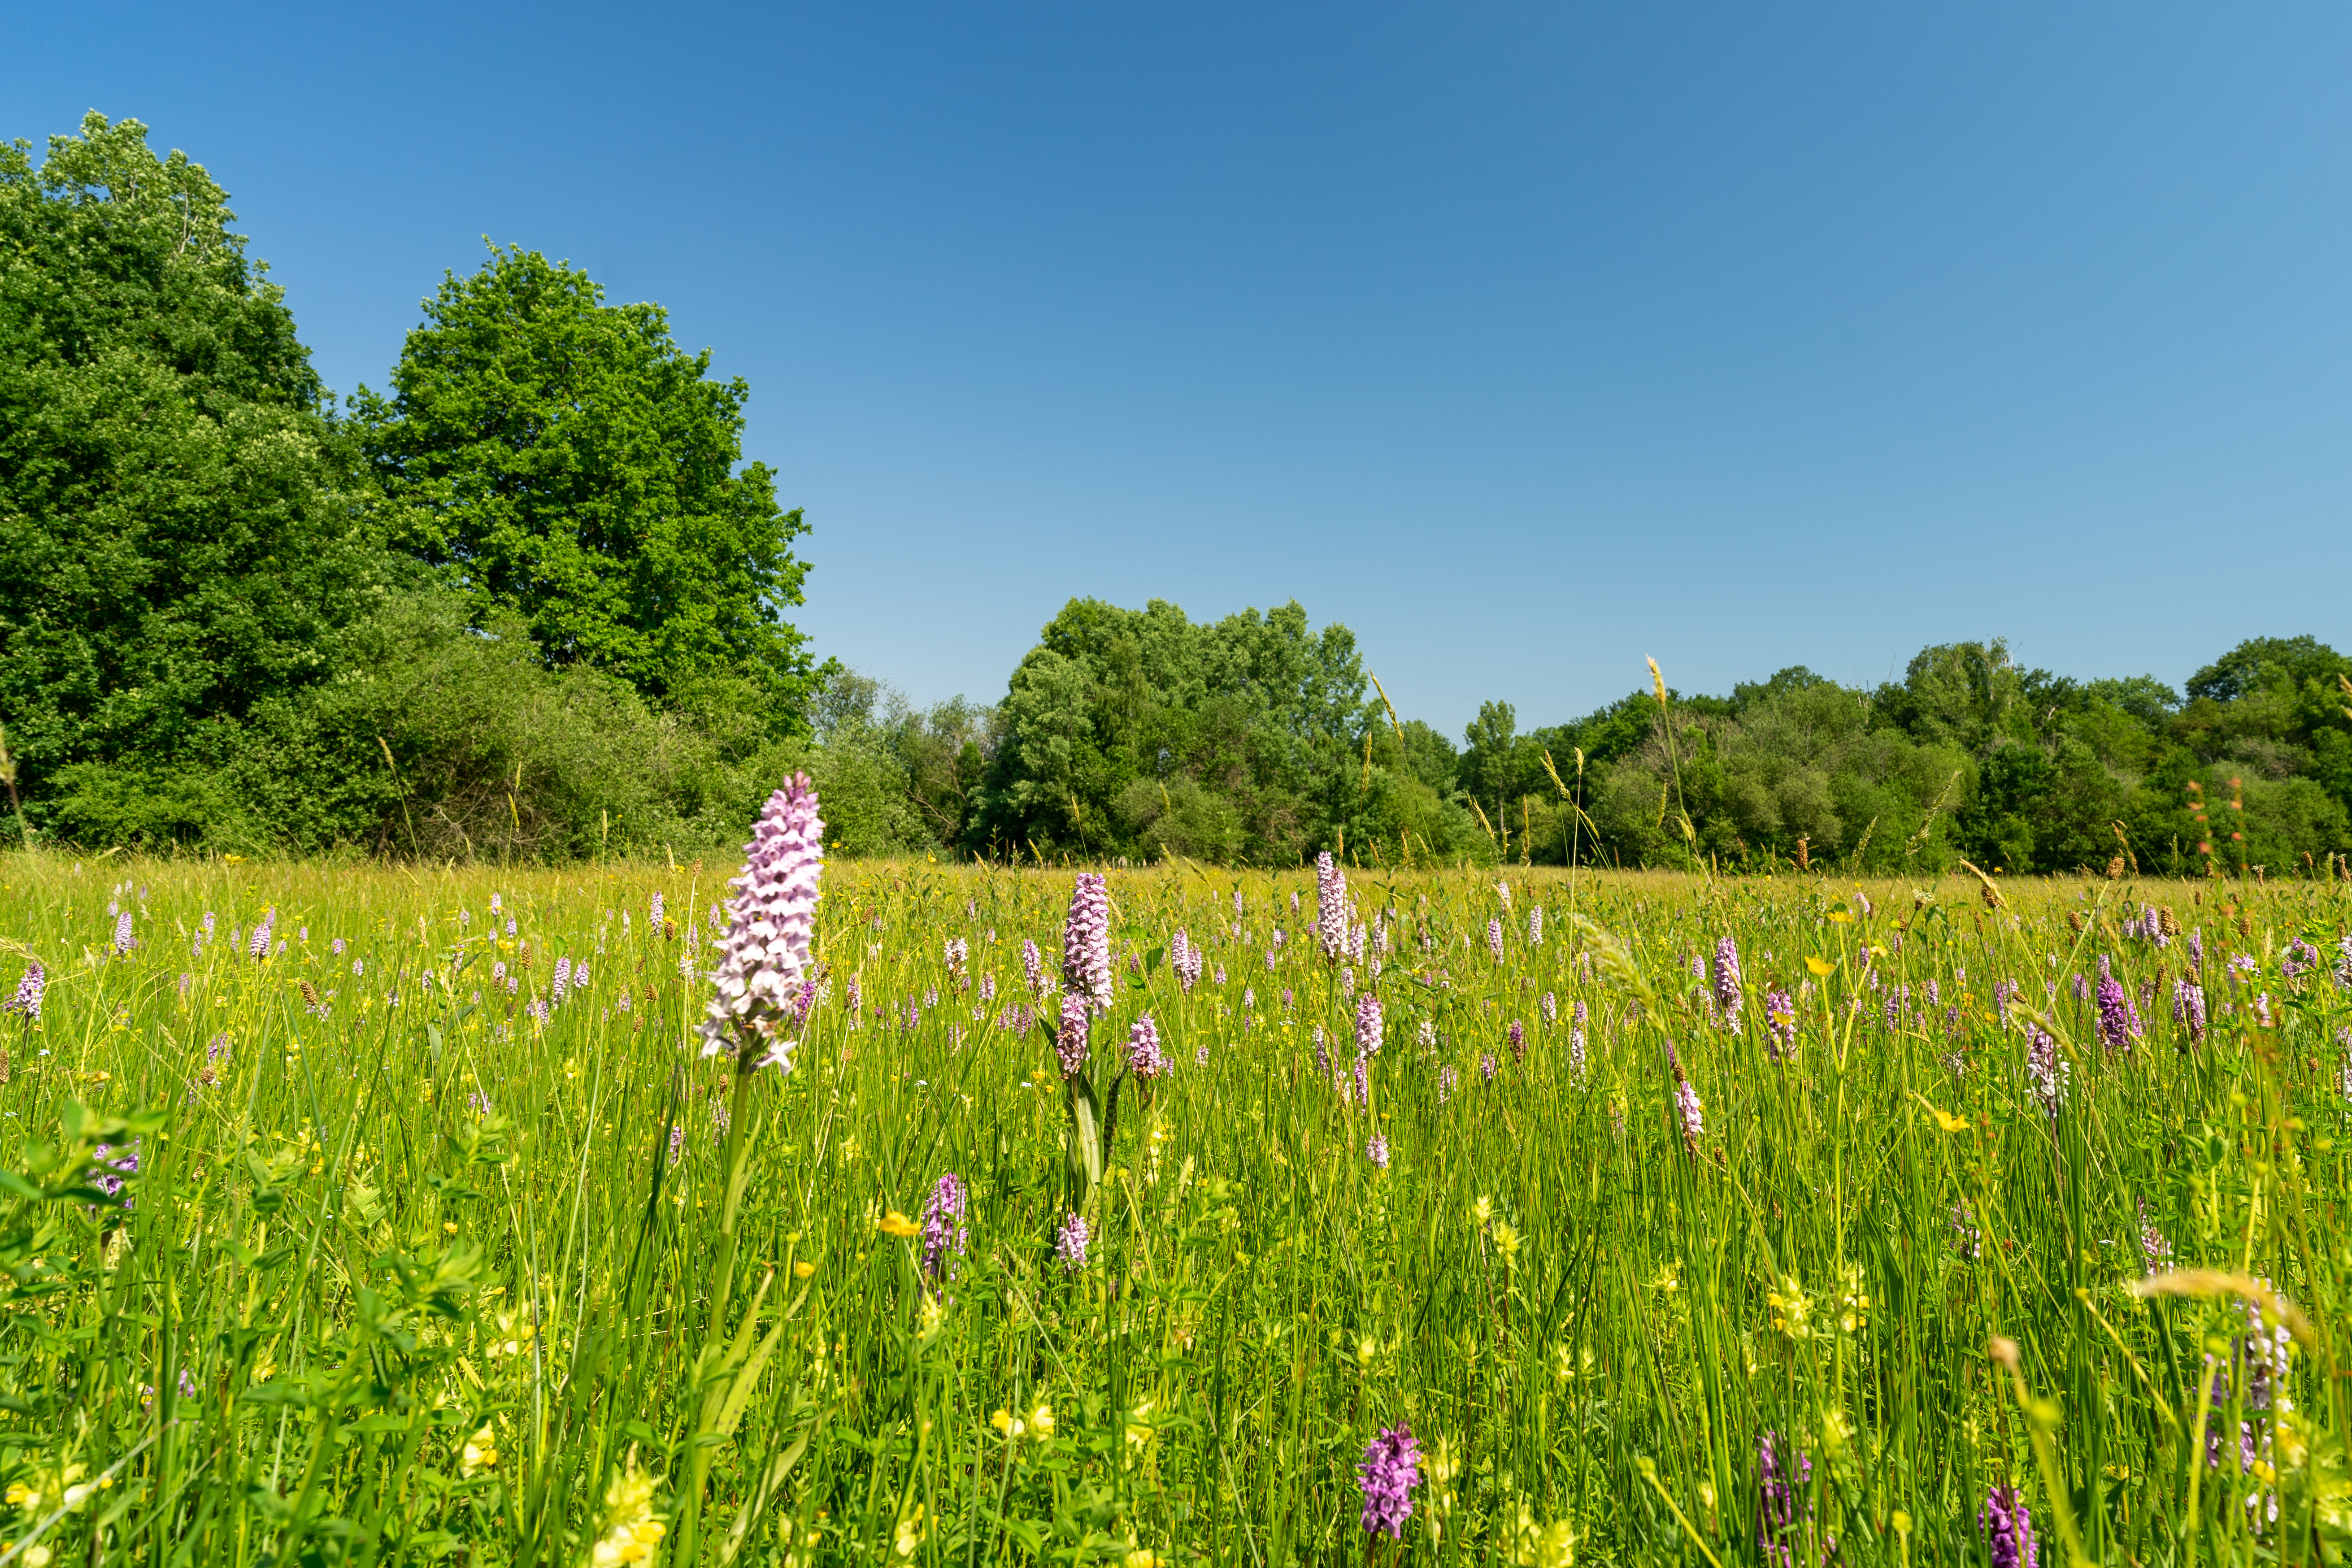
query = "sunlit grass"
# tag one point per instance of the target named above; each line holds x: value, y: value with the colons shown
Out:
x: 409, y: 1274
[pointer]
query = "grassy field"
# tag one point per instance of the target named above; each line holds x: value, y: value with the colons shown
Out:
x: 428, y: 1252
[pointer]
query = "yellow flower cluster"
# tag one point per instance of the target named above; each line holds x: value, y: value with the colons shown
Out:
x: 1793, y: 1314
x: 1791, y: 1308
x: 1853, y: 1313
x: 480, y: 1452
x: 66, y: 1487
x: 512, y: 1339
x: 1542, y: 1546
x: 631, y: 1530
x: 910, y: 1534
x: 1038, y: 1423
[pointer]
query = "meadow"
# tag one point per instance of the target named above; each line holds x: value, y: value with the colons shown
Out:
x: 365, y: 1213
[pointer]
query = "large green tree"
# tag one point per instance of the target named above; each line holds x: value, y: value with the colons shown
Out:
x: 176, y: 551
x: 1142, y: 732
x: 562, y: 461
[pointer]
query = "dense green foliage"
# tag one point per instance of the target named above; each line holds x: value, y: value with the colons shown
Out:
x: 1972, y: 755
x: 178, y: 545
x: 561, y: 459
x: 1142, y: 735
x: 1128, y: 732
x: 415, y: 1266
x: 527, y: 605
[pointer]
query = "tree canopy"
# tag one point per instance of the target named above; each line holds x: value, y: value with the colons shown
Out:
x: 1140, y: 732
x: 178, y: 545
x: 562, y: 461
x: 533, y: 598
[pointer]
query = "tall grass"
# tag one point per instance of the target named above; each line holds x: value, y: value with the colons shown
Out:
x: 406, y: 1274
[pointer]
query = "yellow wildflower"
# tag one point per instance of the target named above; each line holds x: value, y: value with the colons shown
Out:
x: 1855, y: 1314
x: 1791, y: 1310
x: 481, y: 1450
x: 1542, y: 1546
x: 631, y: 1530
x: 909, y: 1533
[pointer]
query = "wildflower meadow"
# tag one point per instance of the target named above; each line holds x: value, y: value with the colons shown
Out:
x: 905, y: 1212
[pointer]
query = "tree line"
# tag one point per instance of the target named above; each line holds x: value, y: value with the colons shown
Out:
x: 529, y: 601
x: 1257, y: 739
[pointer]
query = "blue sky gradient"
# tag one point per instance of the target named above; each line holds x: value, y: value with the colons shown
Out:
x: 1527, y: 340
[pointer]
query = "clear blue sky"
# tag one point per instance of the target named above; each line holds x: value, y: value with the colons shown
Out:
x: 1526, y: 341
